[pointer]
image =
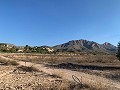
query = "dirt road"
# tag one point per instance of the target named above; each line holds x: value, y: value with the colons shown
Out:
x: 93, y: 80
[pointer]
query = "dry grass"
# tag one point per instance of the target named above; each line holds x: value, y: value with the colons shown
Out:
x: 8, y: 62
x: 101, y: 60
x: 113, y: 74
x: 28, y: 69
x: 36, y: 81
x: 70, y: 86
x: 77, y: 58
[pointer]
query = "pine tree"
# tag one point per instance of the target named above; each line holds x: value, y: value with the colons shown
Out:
x: 118, y: 52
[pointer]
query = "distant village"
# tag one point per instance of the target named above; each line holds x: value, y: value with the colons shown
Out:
x: 10, y: 48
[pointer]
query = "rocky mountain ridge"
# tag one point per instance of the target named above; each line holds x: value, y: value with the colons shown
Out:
x: 86, y: 46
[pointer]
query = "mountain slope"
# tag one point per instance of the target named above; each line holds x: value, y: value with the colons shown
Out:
x: 85, y: 45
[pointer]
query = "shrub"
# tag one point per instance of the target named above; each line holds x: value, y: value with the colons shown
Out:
x: 28, y: 69
x: 118, y: 52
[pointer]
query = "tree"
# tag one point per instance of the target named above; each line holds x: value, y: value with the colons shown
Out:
x: 27, y: 49
x: 118, y: 52
x: 13, y: 49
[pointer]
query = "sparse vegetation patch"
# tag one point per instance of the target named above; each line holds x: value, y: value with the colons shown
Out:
x: 8, y: 62
x: 28, y: 69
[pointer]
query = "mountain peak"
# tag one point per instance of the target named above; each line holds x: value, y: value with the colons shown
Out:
x: 107, y: 44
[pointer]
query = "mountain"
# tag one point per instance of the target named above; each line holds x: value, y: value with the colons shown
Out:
x: 71, y: 46
x: 109, y: 46
x: 86, y: 46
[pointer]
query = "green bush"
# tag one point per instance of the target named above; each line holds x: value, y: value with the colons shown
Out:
x: 118, y: 52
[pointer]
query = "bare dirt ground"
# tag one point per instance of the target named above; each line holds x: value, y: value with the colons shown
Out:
x: 10, y: 79
x: 92, y: 80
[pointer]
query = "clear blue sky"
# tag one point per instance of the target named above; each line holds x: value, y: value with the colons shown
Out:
x: 51, y: 22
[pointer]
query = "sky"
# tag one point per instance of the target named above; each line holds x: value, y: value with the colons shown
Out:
x: 53, y: 22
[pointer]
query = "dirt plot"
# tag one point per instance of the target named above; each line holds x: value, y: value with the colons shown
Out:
x: 17, y: 80
x: 30, y: 78
x: 55, y: 72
